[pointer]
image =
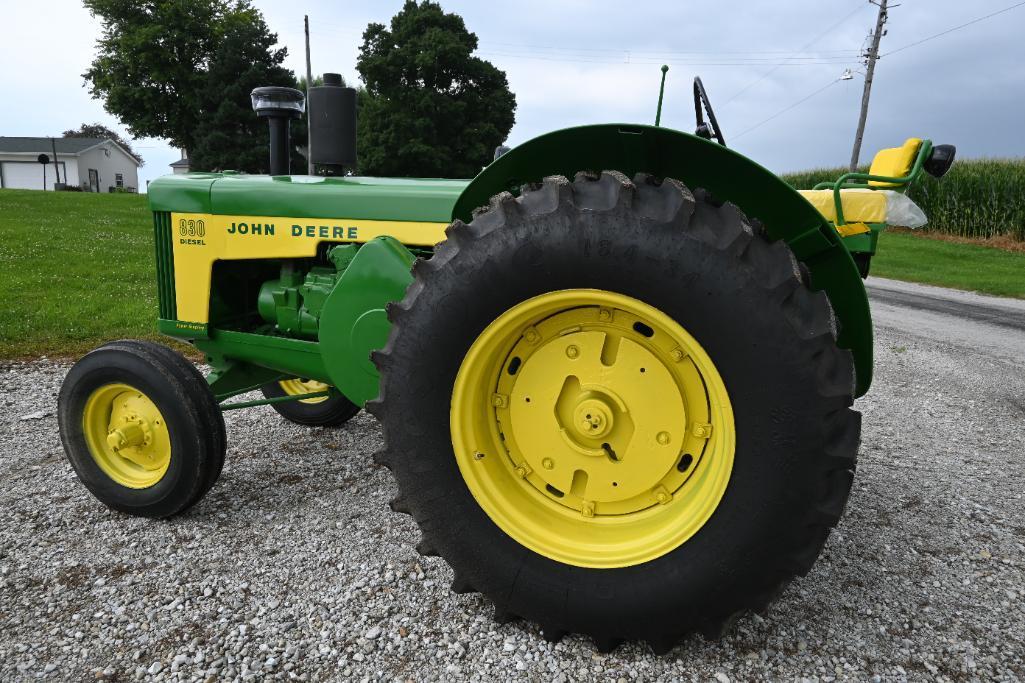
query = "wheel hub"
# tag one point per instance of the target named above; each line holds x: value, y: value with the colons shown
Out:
x: 593, y: 418
x: 127, y: 435
x: 596, y: 415
x: 597, y: 420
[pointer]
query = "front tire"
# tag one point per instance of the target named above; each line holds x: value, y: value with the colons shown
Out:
x: 696, y: 286
x: 320, y: 411
x: 141, y: 428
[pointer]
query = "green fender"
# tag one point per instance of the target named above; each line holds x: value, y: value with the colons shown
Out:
x: 729, y: 176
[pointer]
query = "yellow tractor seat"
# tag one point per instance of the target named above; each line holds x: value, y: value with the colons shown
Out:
x: 895, y: 162
x: 859, y: 206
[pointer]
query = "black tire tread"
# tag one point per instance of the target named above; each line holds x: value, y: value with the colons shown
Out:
x: 772, y: 266
x: 194, y: 396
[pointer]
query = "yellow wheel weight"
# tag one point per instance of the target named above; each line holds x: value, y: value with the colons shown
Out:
x: 126, y: 436
x: 298, y: 387
x: 592, y: 428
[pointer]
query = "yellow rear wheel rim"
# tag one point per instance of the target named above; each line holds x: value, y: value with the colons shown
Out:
x: 592, y: 428
x: 298, y: 387
x: 126, y: 435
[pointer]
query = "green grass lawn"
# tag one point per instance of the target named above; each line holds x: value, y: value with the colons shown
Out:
x: 76, y: 270
x: 916, y: 258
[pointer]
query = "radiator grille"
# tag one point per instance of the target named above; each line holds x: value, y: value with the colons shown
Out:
x: 165, y: 265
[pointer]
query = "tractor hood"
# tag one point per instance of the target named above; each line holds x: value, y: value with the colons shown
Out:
x: 396, y: 199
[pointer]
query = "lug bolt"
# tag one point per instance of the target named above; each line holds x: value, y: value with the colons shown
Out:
x: 662, y: 438
x: 677, y: 354
x: 548, y: 463
x: 521, y: 472
x: 478, y: 456
x: 572, y: 351
x: 662, y: 497
x: 604, y: 314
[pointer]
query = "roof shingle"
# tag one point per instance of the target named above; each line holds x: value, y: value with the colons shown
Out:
x: 14, y: 145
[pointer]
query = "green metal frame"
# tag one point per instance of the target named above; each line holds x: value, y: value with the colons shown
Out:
x: 352, y: 197
x: 353, y: 320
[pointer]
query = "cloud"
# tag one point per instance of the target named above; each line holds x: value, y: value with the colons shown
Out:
x: 573, y: 62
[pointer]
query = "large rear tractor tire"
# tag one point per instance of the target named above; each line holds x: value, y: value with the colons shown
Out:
x: 615, y: 408
x: 141, y: 428
x: 320, y: 411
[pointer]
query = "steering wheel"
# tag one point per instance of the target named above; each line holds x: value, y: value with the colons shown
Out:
x: 710, y: 129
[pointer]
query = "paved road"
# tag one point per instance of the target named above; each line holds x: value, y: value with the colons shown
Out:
x: 983, y: 324
x: 294, y: 568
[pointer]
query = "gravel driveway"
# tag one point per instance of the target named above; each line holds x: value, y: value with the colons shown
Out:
x: 293, y: 566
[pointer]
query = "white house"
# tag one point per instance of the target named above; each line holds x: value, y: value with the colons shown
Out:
x: 182, y: 165
x: 94, y: 164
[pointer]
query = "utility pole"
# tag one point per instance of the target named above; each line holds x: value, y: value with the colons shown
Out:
x: 56, y: 168
x: 309, y: 84
x: 872, y: 56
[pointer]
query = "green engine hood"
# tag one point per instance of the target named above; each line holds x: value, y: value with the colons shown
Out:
x: 397, y: 199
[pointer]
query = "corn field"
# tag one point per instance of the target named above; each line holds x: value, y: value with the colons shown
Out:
x: 977, y: 198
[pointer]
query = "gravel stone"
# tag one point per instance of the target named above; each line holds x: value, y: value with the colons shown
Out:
x: 293, y: 567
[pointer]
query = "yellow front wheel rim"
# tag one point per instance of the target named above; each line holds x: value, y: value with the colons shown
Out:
x: 298, y: 387
x: 126, y: 435
x: 592, y: 428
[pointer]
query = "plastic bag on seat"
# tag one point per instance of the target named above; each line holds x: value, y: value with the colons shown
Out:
x: 902, y: 212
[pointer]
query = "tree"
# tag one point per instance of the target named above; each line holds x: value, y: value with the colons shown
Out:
x: 150, y: 63
x: 229, y: 135
x: 431, y: 109
x: 183, y: 71
x: 98, y: 130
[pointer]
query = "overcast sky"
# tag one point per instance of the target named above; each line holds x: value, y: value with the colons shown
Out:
x: 571, y: 62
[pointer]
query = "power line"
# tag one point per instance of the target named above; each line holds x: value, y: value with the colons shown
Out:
x: 602, y: 50
x: 951, y: 30
x: 647, y: 61
x: 784, y: 111
x: 617, y: 56
x: 805, y: 47
x: 532, y: 48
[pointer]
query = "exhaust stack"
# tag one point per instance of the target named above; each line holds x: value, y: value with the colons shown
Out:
x: 279, y: 106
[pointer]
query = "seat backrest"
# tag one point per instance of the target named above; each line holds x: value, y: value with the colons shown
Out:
x: 895, y: 162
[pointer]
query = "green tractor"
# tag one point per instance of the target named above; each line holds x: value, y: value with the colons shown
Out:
x: 614, y: 371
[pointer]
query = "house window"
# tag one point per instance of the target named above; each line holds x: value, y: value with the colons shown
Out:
x: 119, y: 179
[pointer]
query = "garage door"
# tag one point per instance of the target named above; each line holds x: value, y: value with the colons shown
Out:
x: 28, y: 175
